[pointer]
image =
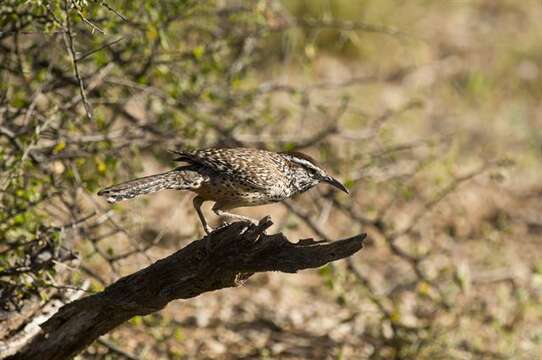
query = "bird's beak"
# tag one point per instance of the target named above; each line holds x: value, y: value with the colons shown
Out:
x: 335, y: 183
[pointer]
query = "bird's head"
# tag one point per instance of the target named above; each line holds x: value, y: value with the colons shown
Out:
x: 309, y: 173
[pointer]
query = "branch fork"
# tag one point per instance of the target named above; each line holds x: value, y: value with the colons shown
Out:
x: 227, y: 257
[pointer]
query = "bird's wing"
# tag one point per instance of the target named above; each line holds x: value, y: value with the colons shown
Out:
x: 186, y: 156
x: 242, y: 164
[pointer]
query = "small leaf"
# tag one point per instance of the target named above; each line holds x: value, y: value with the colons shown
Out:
x: 424, y: 288
x: 101, y: 166
x: 198, y: 52
x: 179, y: 336
x: 61, y: 145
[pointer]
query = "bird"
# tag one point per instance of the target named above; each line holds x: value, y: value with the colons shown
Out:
x: 232, y: 178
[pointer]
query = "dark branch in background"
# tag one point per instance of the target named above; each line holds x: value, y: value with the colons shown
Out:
x: 345, y: 25
x: 225, y: 258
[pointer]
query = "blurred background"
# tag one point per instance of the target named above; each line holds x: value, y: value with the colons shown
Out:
x: 429, y: 111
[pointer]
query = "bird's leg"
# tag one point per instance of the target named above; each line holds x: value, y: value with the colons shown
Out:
x: 197, y: 205
x: 218, y: 210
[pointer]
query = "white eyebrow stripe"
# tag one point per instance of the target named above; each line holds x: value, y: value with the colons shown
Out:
x: 305, y: 163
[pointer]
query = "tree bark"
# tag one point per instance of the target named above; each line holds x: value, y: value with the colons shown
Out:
x: 222, y: 259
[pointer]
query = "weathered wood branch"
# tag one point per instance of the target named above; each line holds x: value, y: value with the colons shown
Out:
x: 222, y: 259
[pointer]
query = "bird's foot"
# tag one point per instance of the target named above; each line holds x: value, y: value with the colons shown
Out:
x: 232, y: 220
x: 208, y: 229
x: 229, y: 220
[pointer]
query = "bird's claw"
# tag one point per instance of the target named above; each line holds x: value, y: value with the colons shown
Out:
x: 208, y: 229
x: 226, y: 223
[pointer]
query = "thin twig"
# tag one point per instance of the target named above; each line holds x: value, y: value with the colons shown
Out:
x: 114, y: 11
x: 93, y: 51
x: 85, y: 20
x: 68, y: 38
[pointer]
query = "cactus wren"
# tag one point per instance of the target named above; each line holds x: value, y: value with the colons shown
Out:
x: 231, y: 177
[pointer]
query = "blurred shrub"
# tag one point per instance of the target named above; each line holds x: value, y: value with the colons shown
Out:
x: 84, y: 83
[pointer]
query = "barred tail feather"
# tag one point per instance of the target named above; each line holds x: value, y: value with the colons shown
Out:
x: 173, y: 179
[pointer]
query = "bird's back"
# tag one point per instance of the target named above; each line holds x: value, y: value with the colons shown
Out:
x: 252, y: 167
x: 240, y: 176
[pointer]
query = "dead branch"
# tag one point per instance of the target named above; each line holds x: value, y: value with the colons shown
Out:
x: 225, y: 258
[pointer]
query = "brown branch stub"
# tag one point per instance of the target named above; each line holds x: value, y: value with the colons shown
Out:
x: 217, y: 261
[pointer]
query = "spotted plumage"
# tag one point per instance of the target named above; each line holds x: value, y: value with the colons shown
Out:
x: 231, y: 177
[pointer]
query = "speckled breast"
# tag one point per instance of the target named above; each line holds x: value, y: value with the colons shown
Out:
x: 230, y: 193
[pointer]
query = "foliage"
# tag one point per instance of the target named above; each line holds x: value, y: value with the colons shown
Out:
x: 66, y: 85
